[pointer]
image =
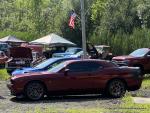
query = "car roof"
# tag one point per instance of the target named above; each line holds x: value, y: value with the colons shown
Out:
x: 75, y: 47
x: 60, y: 58
x: 87, y: 60
x: 102, y: 46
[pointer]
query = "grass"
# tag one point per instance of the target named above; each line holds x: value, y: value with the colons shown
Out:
x: 3, y: 74
x: 37, y: 109
x: 146, y: 82
x: 128, y: 106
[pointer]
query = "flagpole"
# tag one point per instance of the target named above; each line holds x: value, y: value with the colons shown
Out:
x: 83, y: 29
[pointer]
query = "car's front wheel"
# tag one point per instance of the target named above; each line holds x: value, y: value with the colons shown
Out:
x: 116, y: 88
x: 34, y: 90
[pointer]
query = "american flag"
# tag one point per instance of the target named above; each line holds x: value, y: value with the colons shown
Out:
x: 72, y: 19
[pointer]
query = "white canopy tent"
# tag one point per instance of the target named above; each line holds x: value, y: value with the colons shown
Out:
x: 11, y: 39
x: 52, y: 39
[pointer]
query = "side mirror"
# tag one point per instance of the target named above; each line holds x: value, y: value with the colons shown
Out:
x: 66, y: 72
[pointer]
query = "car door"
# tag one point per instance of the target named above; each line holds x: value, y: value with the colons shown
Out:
x: 82, y: 75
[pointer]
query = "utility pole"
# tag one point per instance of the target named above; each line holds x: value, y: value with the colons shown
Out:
x: 83, y: 29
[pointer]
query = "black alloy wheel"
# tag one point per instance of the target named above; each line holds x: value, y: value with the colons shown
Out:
x: 116, y: 88
x: 34, y: 90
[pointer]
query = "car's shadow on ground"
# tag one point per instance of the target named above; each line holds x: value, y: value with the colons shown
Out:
x: 76, y: 98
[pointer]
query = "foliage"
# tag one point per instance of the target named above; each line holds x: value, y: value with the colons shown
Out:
x: 22, y: 35
x: 3, y: 74
x: 121, y: 42
x: 122, y: 24
x: 36, y: 17
x: 146, y: 82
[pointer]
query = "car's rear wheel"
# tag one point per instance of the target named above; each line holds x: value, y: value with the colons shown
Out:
x: 34, y: 90
x: 116, y: 88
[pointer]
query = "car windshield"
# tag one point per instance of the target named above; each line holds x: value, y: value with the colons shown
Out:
x: 45, y: 63
x: 72, y: 50
x: 140, y: 52
x: 79, y: 53
x: 3, y: 46
x: 57, y: 68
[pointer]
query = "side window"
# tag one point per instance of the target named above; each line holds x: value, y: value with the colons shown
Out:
x: 75, y: 67
x: 94, y: 66
x: 84, y: 67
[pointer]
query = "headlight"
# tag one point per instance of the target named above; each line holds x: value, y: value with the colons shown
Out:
x: 125, y: 61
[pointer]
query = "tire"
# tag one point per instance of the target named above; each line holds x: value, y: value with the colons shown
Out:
x: 116, y: 88
x: 34, y: 91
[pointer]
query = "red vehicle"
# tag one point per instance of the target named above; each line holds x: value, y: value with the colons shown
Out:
x: 3, y: 59
x: 19, y: 57
x: 77, y: 77
x: 138, y: 58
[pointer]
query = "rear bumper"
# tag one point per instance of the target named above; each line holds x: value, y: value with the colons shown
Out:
x: 134, y: 84
x: 133, y: 88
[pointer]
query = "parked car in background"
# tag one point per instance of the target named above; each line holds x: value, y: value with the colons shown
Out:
x: 43, y: 66
x: 79, y: 55
x: 19, y: 57
x: 138, y: 58
x: 54, y: 49
x: 3, y: 59
x: 68, y: 52
x: 77, y: 77
x: 104, y: 52
x: 91, y: 50
x: 37, y: 50
x: 4, y: 47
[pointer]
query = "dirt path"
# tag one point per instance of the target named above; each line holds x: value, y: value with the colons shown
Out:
x: 9, y: 104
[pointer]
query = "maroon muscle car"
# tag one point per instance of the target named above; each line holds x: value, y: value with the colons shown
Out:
x: 77, y: 77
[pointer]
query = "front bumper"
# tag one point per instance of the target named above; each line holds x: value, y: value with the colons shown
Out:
x: 14, y: 90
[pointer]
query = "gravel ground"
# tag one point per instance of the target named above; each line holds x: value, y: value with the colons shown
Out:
x: 9, y: 104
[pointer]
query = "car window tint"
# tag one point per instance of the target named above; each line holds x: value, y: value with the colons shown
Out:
x: 84, y: 66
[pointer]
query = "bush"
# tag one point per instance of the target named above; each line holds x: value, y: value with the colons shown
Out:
x: 3, y: 74
x: 122, y: 43
x: 21, y: 35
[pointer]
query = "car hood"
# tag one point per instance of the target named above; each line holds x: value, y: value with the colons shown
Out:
x: 24, y: 70
x: 33, y: 74
x: 127, y: 57
x: 15, y: 52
